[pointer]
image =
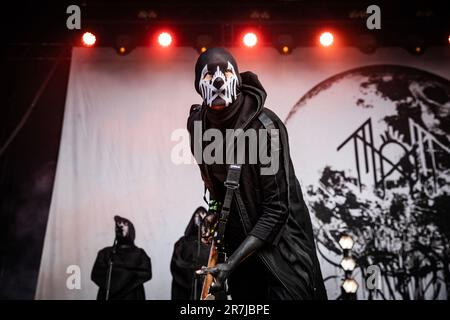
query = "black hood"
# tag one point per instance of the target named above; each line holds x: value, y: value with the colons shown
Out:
x: 252, y: 85
x: 254, y: 98
x: 248, y: 105
x: 214, y: 56
x: 129, y: 239
x: 192, y: 227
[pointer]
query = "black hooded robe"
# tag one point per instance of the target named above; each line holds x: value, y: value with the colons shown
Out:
x: 185, y: 262
x: 131, y: 269
x: 270, y: 207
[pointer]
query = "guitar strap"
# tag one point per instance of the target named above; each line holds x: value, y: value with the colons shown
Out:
x: 232, y: 184
x: 268, y: 125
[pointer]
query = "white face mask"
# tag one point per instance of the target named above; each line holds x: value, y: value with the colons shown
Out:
x: 220, y: 87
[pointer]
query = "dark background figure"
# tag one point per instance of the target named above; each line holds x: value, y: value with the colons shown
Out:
x: 130, y: 269
x: 189, y: 255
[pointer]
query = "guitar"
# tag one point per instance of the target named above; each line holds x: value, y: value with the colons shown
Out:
x: 217, y: 252
x: 209, y: 279
x: 216, y: 256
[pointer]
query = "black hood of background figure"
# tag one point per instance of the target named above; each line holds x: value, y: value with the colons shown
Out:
x: 192, y: 227
x: 129, y: 239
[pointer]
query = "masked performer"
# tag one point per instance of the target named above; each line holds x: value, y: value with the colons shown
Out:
x: 268, y: 235
x: 189, y: 254
x: 121, y: 270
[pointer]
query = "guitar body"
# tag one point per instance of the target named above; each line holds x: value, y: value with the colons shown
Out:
x: 217, y: 254
x: 215, y: 257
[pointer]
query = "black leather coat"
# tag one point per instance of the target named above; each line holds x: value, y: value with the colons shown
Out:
x: 270, y: 207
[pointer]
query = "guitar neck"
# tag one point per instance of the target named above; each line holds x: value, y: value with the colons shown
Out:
x: 215, y: 257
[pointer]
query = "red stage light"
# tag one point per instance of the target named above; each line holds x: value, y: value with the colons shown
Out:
x: 449, y: 39
x: 326, y: 39
x: 165, y: 39
x: 88, y: 39
x: 250, y: 39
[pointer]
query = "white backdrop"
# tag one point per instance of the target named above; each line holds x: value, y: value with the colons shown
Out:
x: 115, y: 152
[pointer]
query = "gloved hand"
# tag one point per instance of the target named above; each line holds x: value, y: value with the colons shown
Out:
x: 220, y: 273
x: 222, y: 270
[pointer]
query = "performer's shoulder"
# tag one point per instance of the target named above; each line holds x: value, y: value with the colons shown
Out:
x: 272, y: 116
x: 195, y: 107
x: 144, y: 254
x: 194, y: 114
x: 139, y: 249
x: 104, y: 251
x: 195, y: 110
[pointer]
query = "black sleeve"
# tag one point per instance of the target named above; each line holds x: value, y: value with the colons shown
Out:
x: 140, y: 266
x: 100, y: 269
x: 194, y: 115
x: 192, y: 124
x: 145, y: 267
x: 274, y: 195
x: 130, y: 274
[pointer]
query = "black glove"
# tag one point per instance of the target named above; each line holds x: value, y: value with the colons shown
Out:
x: 222, y: 271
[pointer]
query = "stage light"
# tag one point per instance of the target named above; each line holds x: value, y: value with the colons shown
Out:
x: 203, y: 42
x: 284, y: 43
x: 449, y: 39
x: 165, y: 39
x: 348, y: 264
x: 346, y: 242
x: 417, y: 49
x: 250, y: 39
x: 326, y: 39
x: 415, y: 44
x: 88, y: 39
x: 350, y: 286
x: 367, y: 43
x: 124, y: 44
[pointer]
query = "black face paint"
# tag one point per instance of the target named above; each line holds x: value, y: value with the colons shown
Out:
x: 217, y: 77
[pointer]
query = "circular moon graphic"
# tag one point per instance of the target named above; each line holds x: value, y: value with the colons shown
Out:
x: 371, y: 147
